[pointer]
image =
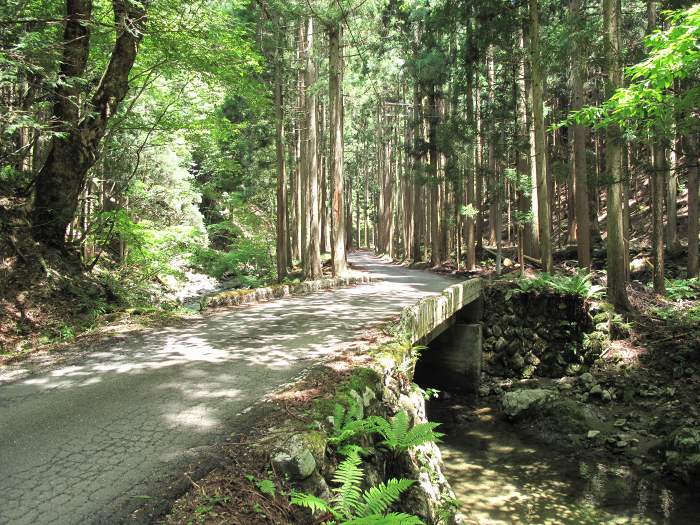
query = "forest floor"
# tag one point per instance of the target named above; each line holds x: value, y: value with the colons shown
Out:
x: 98, y: 433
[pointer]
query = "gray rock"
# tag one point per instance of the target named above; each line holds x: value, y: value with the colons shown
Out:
x: 593, y: 434
x: 516, y: 402
x: 294, y: 459
x: 606, y: 396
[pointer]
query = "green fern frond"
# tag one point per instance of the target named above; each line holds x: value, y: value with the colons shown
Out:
x: 379, y: 498
x: 346, y: 450
x: 348, y: 423
x: 423, y: 433
x: 309, y: 501
x: 399, y: 436
x: 349, y: 478
x: 394, y: 518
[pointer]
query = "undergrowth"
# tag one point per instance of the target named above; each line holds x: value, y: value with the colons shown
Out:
x: 580, y: 284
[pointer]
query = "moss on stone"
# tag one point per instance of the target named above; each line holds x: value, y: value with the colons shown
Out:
x: 362, y: 378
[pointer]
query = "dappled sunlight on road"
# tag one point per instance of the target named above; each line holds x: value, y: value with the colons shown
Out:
x: 156, y: 394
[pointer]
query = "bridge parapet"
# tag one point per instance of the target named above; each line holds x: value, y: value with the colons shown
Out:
x: 433, y: 315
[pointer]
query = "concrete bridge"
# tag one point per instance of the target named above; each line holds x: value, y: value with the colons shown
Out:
x: 449, y: 325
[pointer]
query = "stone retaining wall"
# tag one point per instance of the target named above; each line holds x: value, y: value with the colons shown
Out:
x: 535, y: 333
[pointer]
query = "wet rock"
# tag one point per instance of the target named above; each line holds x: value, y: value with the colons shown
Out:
x: 592, y: 434
x: 517, y: 402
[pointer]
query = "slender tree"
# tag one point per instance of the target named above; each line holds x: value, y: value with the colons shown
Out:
x: 578, y: 73
x: 282, y: 214
x: 540, y: 139
x: 617, y: 274
x: 335, y: 90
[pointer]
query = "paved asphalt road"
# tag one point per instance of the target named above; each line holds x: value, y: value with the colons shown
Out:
x: 83, y: 441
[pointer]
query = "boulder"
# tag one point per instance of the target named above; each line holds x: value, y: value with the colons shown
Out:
x: 517, y: 402
x: 294, y: 459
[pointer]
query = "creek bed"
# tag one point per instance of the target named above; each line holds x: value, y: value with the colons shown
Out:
x: 500, y: 477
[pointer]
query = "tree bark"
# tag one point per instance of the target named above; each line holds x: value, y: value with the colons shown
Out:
x: 62, y: 178
x: 617, y: 274
x: 491, y: 175
x: 469, y: 223
x: 692, y: 156
x: 672, y: 242
x: 282, y: 218
x: 313, y: 256
x: 578, y: 73
x: 657, y: 185
x: 435, y: 255
x: 543, y: 206
x: 335, y: 91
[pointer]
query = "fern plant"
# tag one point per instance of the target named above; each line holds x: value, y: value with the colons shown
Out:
x: 398, y: 435
x: 579, y: 284
x: 683, y: 289
x: 350, y: 505
x: 348, y: 424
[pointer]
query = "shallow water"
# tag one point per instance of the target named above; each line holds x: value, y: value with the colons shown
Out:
x: 501, y: 478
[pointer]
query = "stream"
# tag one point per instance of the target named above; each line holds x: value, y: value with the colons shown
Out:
x: 500, y: 477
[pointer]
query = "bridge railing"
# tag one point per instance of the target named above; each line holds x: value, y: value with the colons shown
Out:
x: 432, y: 315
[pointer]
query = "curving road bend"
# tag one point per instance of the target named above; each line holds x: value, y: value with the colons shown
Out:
x: 87, y: 440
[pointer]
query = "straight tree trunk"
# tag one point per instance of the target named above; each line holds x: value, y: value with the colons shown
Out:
x: 578, y: 73
x: 469, y: 223
x: 658, y: 189
x: 313, y: 256
x: 418, y: 207
x: 525, y: 242
x: 479, y: 168
x: 692, y: 156
x: 672, y: 242
x: 617, y: 273
x: 435, y: 255
x: 492, y: 179
x: 335, y: 90
x: 282, y: 226
x: 543, y: 206
x: 323, y: 191
x: 656, y: 183
x: 304, y: 212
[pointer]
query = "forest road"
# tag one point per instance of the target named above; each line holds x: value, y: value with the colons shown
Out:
x: 91, y: 439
